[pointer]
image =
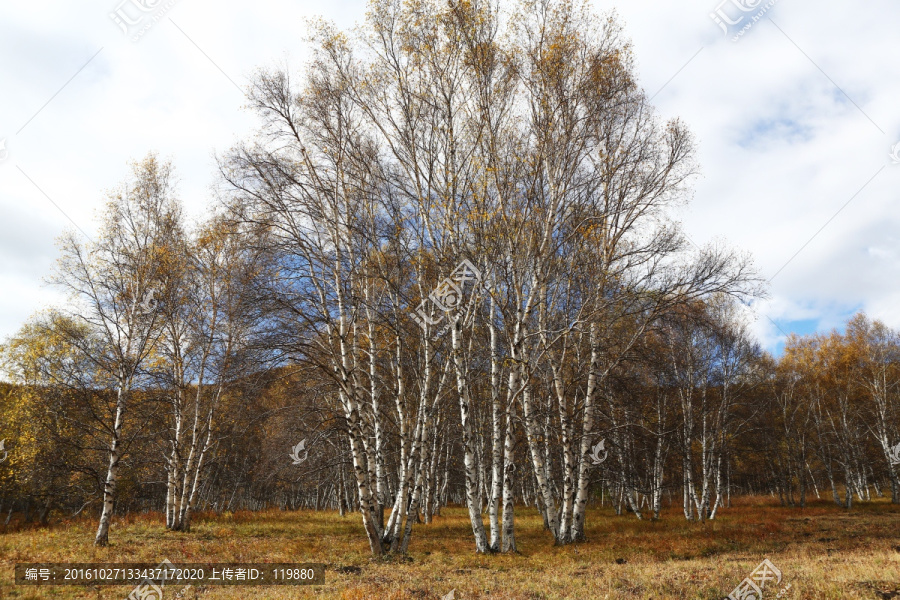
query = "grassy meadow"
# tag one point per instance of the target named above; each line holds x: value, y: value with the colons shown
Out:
x: 823, y: 551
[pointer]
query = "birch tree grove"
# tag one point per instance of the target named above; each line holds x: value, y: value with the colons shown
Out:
x: 208, y: 322
x: 518, y: 142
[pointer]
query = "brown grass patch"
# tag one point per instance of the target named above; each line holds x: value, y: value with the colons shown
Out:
x: 824, y: 552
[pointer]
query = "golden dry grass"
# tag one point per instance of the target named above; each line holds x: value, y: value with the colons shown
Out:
x: 824, y: 552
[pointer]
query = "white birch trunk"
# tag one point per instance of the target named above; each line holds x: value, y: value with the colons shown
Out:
x: 587, y: 430
x: 112, y: 472
x: 471, y: 469
x: 496, y: 437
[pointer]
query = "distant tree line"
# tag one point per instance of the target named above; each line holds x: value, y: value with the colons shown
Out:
x: 446, y: 270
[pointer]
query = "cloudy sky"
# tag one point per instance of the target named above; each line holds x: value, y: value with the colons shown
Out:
x: 795, y: 117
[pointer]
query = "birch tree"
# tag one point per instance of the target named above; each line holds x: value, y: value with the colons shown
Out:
x: 114, y: 284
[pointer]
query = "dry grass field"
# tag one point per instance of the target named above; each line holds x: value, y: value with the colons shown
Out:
x: 824, y: 552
